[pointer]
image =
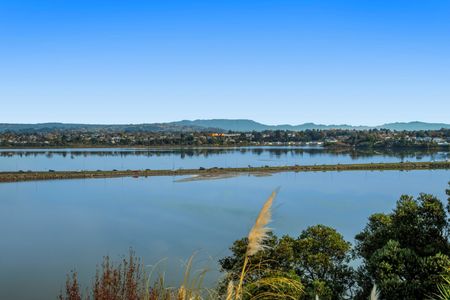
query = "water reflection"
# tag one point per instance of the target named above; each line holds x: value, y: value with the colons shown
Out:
x: 113, y: 158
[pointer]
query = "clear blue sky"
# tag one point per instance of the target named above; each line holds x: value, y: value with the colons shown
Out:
x: 356, y: 62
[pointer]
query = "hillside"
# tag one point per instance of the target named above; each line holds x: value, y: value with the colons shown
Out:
x: 212, y: 124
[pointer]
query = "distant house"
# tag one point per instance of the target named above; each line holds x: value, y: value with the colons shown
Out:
x: 440, y: 141
x: 331, y: 140
x: 215, y: 134
x: 424, y: 139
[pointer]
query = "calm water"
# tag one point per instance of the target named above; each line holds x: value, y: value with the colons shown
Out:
x: 48, y: 228
x: 120, y: 159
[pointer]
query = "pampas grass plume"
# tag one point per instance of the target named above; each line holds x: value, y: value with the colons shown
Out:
x: 259, y: 231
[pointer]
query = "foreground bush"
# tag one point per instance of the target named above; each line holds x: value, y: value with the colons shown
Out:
x: 405, y: 253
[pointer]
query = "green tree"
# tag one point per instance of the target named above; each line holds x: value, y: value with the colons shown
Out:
x: 321, y: 257
x: 276, y: 258
x: 318, y: 257
x: 404, y: 252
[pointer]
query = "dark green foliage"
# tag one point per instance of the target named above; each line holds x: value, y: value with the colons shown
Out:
x: 319, y: 257
x: 405, y: 252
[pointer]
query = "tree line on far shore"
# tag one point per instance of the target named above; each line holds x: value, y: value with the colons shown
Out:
x: 334, y: 138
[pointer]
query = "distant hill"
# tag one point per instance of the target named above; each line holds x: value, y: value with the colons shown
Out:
x: 414, y: 126
x: 212, y: 125
x: 225, y: 124
x: 46, y: 127
x: 249, y: 125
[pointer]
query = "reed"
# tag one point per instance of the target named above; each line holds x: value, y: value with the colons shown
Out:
x: 275, y: 287
x: 443, y: 288
x: 256, y: 237
x: 230, y: 290
x: 374, y: 294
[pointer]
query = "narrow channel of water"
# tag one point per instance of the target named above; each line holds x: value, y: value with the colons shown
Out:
x: 123, y: 159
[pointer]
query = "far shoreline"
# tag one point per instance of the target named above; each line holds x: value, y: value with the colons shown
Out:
x: 285, y: 145
x: 162, y: 147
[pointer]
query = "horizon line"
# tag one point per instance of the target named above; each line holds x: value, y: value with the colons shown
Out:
x: 219, y: 119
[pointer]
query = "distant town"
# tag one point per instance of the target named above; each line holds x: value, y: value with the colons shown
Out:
x: 373, y: 138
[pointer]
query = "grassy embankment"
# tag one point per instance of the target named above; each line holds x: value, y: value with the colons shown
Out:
x: 216, y: 172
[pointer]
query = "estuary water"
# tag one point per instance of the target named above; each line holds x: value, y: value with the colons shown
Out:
x: 48, y: 228
x: 192, y: 158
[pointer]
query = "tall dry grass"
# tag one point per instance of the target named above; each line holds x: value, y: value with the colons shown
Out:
x: 374, y: 294
x: 129, y: 280
x: 256, y: 237
x: 276, y: 286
